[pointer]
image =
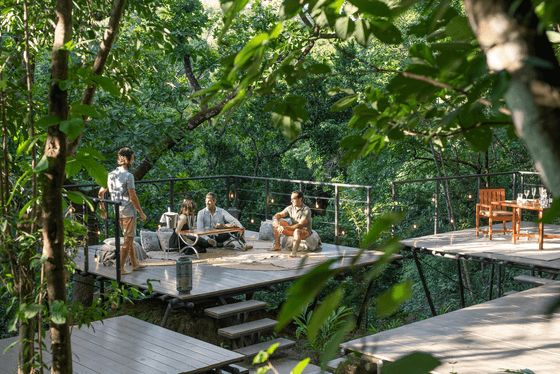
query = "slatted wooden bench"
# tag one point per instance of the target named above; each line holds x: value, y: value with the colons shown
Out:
x: 252, y: 350
x: 534, y: 281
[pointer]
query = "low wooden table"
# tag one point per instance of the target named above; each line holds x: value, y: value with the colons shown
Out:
x: 517, y: 216
x: 197, y: 233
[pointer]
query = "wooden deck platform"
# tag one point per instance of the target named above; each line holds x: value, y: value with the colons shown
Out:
x: 128, y: 345
x: 511, y: 332
x: 214, y: 281
x: 500, y: 248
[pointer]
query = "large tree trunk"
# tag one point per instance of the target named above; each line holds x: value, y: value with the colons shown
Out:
x: 509, y: 34
x: 52, y: 180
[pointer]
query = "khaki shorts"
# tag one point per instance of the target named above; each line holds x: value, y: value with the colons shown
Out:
x: 128, y: 226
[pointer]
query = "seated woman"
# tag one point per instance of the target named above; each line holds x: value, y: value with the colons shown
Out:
x: 188, y: 207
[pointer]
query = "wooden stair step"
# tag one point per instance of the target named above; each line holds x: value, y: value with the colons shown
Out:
x: 534, y: 281
x: 229, y: 310
x: 252, y: 350
x: 333, y: 364
x: 247, y: 328
x: 235, y: 369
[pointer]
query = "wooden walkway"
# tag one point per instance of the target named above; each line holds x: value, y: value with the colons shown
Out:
x: 213, y: 281
x: 511, y: 332
x: 129, y: 345
x: 500, y: 248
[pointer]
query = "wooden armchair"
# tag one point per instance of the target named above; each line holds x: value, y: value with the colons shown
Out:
x: 493, y: 212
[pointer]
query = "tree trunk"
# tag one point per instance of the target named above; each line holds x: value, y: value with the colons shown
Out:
x: 52, y: 180
x: 533, y: 95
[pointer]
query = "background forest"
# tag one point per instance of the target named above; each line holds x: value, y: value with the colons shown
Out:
x: 208, y: 88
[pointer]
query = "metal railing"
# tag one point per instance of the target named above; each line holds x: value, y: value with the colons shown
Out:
x: 479, y: 177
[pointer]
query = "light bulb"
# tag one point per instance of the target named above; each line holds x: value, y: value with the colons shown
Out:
x: 414, y: 226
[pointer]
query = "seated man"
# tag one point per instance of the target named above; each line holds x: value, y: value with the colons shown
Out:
x: 300, y: 228
x: 211, y: 216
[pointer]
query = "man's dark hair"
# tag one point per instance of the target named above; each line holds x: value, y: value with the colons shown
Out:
x: 124, y: 156
x: 299, y: 194
x: 212, y: 195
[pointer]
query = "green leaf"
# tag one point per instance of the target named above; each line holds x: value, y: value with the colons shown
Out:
x: 73, y: 127
x: 250, y: 49
x: 85, y: 110
x: 553, y: 36
x: 479, y: 138
x: 64, y: 85
x: 271, y: 104
x: 318, y: 69
x: 73, y: 166
x: 414, y: 363
x: 372, y: 7
x: 552, y: 212
x: 96, y: 170
x: 344, y: 27
x: 304, y: 290
x: 324, y: 310
x: 31, y: 310
x: 107, y: 84
x: 335, y: 90
x: 42, y: 165
x: 422, y: 51
x: 333, y: 346
x: 89, y: 152
x: 300, y: 367
x: 344, y: 103
x: 381, y: 225
x: 362, y: 32
x: 27, y: 205
x: 388, y: 302
x: 58, y: 312
x: 48, y: 121
x: 386, y: 32
x: 459, y: 29
x: 26, y: 146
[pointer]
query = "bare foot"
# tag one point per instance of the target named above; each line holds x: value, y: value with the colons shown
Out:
x: 292, y: 256
x: 124, y: 272
x: 138, y: 267
x: 275, y: 248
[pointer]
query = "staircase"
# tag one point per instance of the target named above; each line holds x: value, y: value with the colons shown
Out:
x: 246, y: 334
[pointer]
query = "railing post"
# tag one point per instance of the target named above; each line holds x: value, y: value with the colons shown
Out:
x: 514, y: 186
x: 336, y: 201
x: 523, y: 192
x: 86, y: 249
x: 393, y: 208
x: 478, y: 190
x: 237, y: 193
x: 301, y: 186
x: 172, y: 196
x: 266, y: 196
x: 118, y: 243
x: 368, y: 208
x: 436, y: 217
x: 227, y: 193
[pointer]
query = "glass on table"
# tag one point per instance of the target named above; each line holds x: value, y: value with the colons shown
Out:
x: 520, y: 198
x: 526, y: 193
x: 533, y: 192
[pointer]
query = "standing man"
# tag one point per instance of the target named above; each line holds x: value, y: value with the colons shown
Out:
x: 212, y: 216
x: 121, y: 188
x: 300, y: 229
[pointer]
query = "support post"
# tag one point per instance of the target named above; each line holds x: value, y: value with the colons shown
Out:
x: 426, y: 290
x: 436, y: 216
x: 363, y: 308
x: 393, y: 208
x: 172, y: 196
x: 266, y: 211
x: 368, y: 208
x: 336, y: 201
x: 118, y: 242
x: 522, y: 190
x: 166, y: 314
x: 499, y: 282
x: 514, y: 186
x: 460, y: 275
x: 491, y: 281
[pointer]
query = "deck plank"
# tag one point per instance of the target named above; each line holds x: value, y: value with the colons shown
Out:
x: 511, y: 332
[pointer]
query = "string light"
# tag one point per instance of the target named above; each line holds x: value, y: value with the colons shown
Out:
x: 184, y: 200
x: 415, y: 226
x: 433, y: 199
x: 232, y: 195
x: 252, y: 220
x: 272, y: 201
x: 452, y: 221
x: 316, y: 203
x: 470, y: 196
x: 159, y: 226
x: 99, y: 233
x: 342, y: 232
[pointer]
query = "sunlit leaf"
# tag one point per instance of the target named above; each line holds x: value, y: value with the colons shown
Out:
x: 300, y: 367
x: 388, y: 302
x: 324, y: 310
x: 459, y: 29
x: 96, y: 170
x: 72, y: 127
x: 344, y: 103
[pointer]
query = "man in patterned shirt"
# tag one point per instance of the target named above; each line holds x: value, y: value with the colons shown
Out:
x: 300, y: 228
x: 121, y: 188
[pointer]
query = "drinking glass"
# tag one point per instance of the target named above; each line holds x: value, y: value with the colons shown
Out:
x: 519, y: 198
x: 533, y: 191
x: 526, y: 194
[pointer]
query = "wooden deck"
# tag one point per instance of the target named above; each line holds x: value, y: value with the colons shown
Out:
x: 213, y: 281
x: 511, y: 332
x: 129, y: 345
x: 500, y: 248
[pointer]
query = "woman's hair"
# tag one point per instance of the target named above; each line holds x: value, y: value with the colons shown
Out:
x: 188, y: 207
x: 124, y: 156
